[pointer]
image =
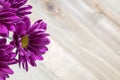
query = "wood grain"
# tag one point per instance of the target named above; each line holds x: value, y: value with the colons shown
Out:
x: 85, y: 40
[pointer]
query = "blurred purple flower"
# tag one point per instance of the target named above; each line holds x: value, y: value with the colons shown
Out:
x: 7, y: 57
x: 10, y: 12
x: 30, y: 41
x: 7, y: 18
x: 21, y: 8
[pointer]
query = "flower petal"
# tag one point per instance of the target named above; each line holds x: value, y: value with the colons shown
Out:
x: 21, y: 28
x: 3, y: 31
x: 2, y: 41
x: 7, y: 70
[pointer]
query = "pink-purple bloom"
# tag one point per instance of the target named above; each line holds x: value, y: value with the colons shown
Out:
x: 30, y: 41
x: 7, y: 57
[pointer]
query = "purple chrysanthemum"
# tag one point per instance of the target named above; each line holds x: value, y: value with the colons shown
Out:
x: 30, y: 41
x: 7, y: 18
x: 10, y: 12
x: 21, y: 8
x: 7, y: 57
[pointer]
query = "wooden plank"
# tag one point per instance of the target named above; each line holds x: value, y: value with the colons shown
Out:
x: 85, y: 40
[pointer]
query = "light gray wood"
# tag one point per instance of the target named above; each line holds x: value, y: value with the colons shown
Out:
x: 85, y: 40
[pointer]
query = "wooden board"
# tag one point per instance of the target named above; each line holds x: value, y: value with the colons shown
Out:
x: 85, y: 40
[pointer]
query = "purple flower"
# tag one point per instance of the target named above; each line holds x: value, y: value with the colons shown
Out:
x: 10, y: 12
x: 30, y: 41
x: 7, y: 18
x: 21, y: 8
x: 7, y: 57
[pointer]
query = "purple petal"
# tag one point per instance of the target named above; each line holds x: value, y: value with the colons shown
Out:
x: 23, y: 13
x: 2, y: 41
x: 3, y: 31
x: 39, y: 35
x: 32, y: 60
x: 2, y: 51
x: 7, y: 70
x: 39, y: 41
x: 28, y: 7
x: 35, y: 25
x: 19, y: 3
x: 39, y: 57
x: 43, y: 49
x: 21, y: 28
x: 10, y: 27
x: 43, y: 26
x: 27, y: 22
x: 9, y: 48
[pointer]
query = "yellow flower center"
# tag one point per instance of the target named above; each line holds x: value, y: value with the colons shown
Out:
x: 24, y: 41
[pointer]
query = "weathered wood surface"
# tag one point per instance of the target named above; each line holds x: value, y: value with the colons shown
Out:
x: 85, y: 40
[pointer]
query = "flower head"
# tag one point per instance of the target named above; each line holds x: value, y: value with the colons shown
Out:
x: 7, y: 57
x: 30, y: 41
x: 21, y: 8
x: 7, y: 18
x: 10, y: 12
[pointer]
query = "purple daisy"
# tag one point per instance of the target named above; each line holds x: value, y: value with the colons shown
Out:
x: 10, y: 12
x: 7, y: 57
x: 7, y: 18
x: 21, y: 8
x: 30, y: 41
